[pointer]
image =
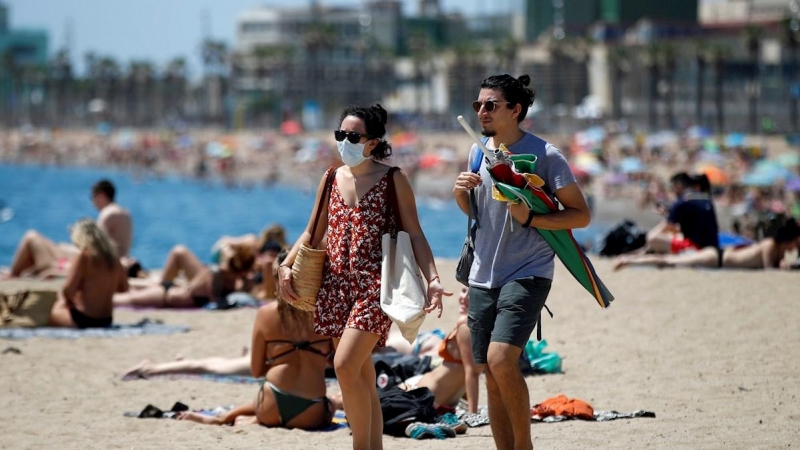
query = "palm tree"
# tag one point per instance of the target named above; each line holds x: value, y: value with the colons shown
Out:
x: 466, y: 71
x: 753, y: 36
x: 317, y: 38
x: 175, y: 80
x: 701, y: 58
x: 62, y: 82
x: 669, y: 54
x: 791, y: 37
x: 620, y: 66
x: 420, y: 49
x: 215, y: 57
x: 651, y: 56
x: 719, y: 56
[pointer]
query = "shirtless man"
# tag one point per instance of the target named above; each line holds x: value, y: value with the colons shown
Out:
x: 38, y: 256
x: 768, y: 253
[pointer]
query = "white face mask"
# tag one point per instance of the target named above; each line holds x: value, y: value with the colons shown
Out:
x: 352, y: 154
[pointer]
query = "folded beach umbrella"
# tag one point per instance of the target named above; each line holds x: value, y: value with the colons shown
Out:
x: 562, y: 241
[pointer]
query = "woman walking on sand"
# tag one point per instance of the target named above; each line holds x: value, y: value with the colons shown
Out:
x: 348, y: 305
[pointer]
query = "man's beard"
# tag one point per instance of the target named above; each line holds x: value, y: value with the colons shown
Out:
x: 488, y: 133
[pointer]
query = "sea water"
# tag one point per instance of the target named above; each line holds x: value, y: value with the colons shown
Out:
x: 171, y: 210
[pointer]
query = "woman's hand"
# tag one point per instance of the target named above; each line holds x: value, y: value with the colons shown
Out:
x: 435, y: 293
x: 285, y: 284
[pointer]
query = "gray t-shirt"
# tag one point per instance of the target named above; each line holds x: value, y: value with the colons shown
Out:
x: 504, y: 250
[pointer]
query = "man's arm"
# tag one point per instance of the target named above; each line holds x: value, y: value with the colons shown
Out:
x: 574, y: 215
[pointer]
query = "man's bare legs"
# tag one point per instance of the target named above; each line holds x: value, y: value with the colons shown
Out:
x: 707, y: 257
x: 180, y: 259
x: 34, y: 254
x: 509, y: 402
x: 356, y: 375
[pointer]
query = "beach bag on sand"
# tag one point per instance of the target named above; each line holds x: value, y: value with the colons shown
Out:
x: 401, y: 408
x: 403, y: 294
x: 26, y: 309
x: 309, y: 264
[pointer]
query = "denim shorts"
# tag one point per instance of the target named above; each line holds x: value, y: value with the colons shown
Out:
x: 506, y: 314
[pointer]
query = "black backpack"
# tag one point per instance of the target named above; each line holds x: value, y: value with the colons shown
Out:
x: 400, y: 408
x: 623, y: 238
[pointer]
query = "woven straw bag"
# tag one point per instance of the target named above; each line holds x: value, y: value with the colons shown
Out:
x: 309, y: 264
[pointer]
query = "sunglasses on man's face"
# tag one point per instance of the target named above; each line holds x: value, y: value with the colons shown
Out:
x: 351, y: 136
x: 489, y: 105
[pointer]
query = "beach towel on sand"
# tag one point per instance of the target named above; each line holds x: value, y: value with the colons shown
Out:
x: 142, y: 328
x: 560, y: 408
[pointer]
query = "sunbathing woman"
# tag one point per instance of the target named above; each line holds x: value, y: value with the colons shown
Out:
x: 205, y: 283
x: 292, y: 358
x: 266, y: 247
x: 768, y: 253
x: 94, y: 275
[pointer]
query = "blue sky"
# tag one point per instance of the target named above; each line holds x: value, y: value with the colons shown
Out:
x: 159, y: 30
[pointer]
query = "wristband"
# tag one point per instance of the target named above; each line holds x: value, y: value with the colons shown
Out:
x: 527, y: 223
x: 435, y: 277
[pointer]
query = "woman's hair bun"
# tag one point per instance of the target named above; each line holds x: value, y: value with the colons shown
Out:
x: 525, y: 80
x: 382, y: 114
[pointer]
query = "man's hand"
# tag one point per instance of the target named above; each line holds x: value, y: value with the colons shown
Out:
x: 467, y: 181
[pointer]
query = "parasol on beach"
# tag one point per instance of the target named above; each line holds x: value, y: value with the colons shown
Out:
x: 514, y: 176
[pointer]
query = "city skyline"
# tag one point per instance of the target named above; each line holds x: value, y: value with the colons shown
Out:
x: 159, y: 30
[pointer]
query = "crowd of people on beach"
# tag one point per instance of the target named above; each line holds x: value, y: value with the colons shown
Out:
x: 508, y: 284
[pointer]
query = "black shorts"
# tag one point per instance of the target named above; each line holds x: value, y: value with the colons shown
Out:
x: 83, y: 321
x: 507, y: 314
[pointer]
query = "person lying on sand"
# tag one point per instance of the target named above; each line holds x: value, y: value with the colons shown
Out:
x: 215, y: 365
x: 768, y: 253
x: 95, y: 274
x: 266, y: 247
x: 205, y: 283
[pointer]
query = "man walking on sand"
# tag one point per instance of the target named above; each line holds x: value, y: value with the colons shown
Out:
x: 38, y: 256
x: 513, y: 267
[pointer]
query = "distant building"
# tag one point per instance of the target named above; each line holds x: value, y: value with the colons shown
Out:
x: 25, y: 47
x: 23, y: 53
x: 733, y: 12
x: 574, y: 17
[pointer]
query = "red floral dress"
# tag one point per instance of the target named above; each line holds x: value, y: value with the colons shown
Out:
x: 350, y: 296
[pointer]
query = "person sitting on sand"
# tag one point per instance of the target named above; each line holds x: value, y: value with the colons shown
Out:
x: 95, y: 274
x: 292, y: 358
x: 266, y: 247
x: 691, y: 222
x: 38, y: 256
x: 205, y: 284
x: 769, y: 253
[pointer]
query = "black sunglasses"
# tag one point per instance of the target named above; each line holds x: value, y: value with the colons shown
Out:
x: 351, y: 136
x: 490, y: 105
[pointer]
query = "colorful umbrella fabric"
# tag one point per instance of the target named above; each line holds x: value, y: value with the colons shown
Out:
x: 562, y: 241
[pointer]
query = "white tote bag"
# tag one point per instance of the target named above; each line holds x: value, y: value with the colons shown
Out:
x: 403, y: 295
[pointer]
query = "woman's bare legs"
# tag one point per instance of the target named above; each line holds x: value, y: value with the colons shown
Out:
x: 215, y: 365
x: 356, y: 375
x: 34, y: 254
x: 246, y: 412
x: 155, y: 297
x: 706, y: 257
x: 180, y: 259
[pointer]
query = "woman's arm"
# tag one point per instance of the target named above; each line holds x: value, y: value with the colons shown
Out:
x: 77, y: 271
x: 284, y: 270
x: 471, y: 370
x: 422, y: 250
x: 258, y: 346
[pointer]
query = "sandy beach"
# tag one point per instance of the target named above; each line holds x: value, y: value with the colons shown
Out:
x: 713, y: 353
